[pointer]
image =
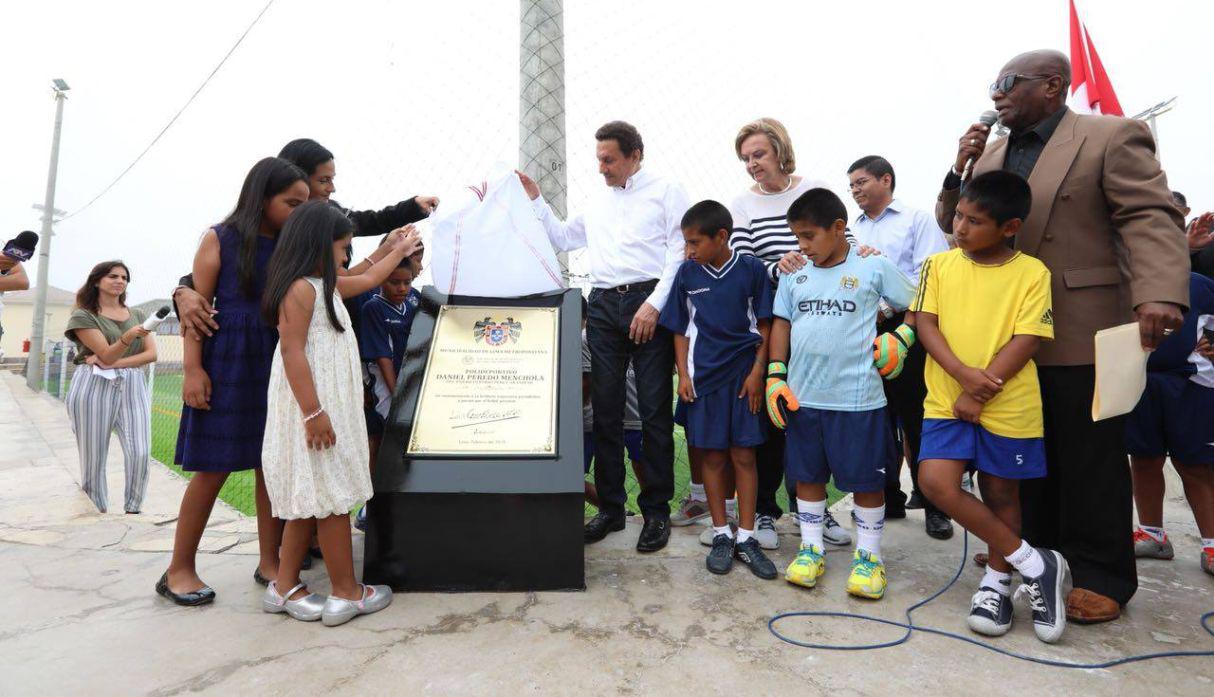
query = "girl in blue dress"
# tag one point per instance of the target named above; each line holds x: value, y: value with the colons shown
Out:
x: 226, y: 375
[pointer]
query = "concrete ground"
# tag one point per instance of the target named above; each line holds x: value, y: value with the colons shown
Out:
x: 78, y: 614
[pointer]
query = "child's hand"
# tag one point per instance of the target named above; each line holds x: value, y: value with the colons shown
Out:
x: 406, y: 238
x: 196, y: 389
x: 1204, y: 349
x: 979, y: 384
x: 319, y: 432
x: 752, y: 391
x: 967, y: 409
x: 687, y: 391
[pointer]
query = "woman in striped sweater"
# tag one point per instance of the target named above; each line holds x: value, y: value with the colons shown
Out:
x: 760, y: 227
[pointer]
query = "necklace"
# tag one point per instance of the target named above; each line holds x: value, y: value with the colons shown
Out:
x: 772, y: 193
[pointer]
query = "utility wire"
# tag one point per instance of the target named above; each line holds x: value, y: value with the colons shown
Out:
x: 176, y: 116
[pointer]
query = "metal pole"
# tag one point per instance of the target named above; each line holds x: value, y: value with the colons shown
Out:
x: 542, y: 100
x: 38, y: 330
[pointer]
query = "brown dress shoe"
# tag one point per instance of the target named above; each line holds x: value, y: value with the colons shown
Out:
x: 1088, y: 607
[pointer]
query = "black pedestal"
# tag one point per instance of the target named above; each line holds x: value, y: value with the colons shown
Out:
x: 491, y: 524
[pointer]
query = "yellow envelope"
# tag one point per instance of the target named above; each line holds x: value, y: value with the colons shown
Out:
x: 1121, y: 371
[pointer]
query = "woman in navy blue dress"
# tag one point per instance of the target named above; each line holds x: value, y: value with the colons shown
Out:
x: 226, y: 374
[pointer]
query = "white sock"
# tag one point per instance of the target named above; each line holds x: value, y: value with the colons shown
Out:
x: 812, y: 517
x: 697, y: 493
x: 744, y: 534
x: 1027, y: 560
x: 997, y: 580
x: 725, y: 530
x: 869, y: 524
x: 1207, y: 542
x: 1156, y: 534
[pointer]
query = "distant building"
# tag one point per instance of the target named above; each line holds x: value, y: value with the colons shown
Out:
x: 18, y: 317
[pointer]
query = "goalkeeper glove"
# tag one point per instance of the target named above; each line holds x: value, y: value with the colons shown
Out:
x: 780, y: 399
x: 890, y: 349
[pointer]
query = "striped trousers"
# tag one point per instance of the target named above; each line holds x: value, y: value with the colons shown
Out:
x: 99, y: 406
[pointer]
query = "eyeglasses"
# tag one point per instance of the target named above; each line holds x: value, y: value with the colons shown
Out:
x: 1006, y: 83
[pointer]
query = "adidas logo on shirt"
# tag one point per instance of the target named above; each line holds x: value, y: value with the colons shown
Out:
x: 1048, y: 317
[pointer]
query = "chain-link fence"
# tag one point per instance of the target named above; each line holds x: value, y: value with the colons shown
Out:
x: 164, y: 380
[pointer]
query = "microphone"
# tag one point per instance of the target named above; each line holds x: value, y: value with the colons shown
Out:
x: 988, y: 118
x: 151, y: 322
x: 22, y: 246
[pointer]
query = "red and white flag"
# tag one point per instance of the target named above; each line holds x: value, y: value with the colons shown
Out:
x: 1091, y: 90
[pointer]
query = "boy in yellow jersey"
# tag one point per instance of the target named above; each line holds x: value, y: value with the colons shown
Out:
x: 981, y: 312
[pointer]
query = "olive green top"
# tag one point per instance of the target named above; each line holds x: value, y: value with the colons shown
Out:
x: 111, y: 330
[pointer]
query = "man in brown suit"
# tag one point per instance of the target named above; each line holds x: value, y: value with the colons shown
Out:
x: 1104, y: 223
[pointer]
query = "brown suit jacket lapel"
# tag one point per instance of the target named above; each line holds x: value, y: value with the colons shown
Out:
x: 1051, y: 168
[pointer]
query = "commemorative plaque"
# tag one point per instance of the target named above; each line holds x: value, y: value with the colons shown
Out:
x: 489, y: 386
x: 485, y: 429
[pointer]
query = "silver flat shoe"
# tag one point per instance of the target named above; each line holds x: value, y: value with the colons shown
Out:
x: 307, y: 609
x: 339, y: 610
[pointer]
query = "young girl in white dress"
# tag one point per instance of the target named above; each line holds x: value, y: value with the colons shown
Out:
x: 314, y: 454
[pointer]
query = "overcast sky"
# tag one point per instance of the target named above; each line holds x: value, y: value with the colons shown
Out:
x: 420, y: 97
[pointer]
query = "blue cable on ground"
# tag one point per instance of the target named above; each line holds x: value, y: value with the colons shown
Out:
x: 910, y: 627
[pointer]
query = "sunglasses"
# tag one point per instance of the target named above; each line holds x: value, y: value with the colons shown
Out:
x: 1006, y: 83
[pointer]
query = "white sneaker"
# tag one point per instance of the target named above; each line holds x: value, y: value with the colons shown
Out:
x: 834, y: 533
x: 765, y: 532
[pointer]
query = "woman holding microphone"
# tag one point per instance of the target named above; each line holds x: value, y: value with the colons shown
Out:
x: 109, y: 389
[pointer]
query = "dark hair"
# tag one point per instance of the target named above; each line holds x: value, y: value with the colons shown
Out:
x: 875, y: 165
x: 306, y: 242
x: 707, y: 218
x: 1002, y: 195
x: 306, y: 154
x: 88, y: 297
x: 624, y: 134
x: 820, y: 207
x: 1180, y: 199
x: 268, y: 178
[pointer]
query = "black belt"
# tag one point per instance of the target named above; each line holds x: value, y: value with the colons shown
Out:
x: 641, y: 287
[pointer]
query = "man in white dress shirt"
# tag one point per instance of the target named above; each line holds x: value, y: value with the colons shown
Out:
x: 907, y: 236
x: 634, y: 246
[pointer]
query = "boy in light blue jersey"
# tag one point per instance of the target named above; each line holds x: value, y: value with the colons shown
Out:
x: 829, y: 395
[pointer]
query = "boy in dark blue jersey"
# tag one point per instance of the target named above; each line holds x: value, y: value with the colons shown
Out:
x: 386, y: 320
x: 719, y: 310
x: 1173, y: 420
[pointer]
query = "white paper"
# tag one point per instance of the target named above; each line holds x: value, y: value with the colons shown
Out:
x: 1121, y: 371
x: 489, y: 242
x: 107, y: 373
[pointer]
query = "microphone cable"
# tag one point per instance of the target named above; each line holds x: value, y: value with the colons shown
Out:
x: 910, y: 627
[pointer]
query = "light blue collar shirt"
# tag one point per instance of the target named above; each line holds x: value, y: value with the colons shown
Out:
x: 907, y: 236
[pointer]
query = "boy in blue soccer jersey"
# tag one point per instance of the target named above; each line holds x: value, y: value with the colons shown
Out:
x: 824, y: 389
x: 1172, y: 420
x: 386, y: 319
x: 719, y: 311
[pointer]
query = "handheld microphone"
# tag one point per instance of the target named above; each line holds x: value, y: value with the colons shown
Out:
x: 22, y: 246
x: 988, y: 118
x: 151, y: 322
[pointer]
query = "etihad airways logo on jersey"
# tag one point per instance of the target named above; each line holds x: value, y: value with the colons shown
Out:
x: 828, y: 307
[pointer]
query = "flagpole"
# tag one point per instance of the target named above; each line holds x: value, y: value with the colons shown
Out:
x: 1149, y: 115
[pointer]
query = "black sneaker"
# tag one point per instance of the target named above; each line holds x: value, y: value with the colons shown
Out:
x: 750, y: 554
x: 990, y: 612
x: 915, y: 502
x: 1046, y: 597
x: 720, y: 557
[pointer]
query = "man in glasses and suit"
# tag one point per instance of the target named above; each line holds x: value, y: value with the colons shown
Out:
x: 1103, y: 222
